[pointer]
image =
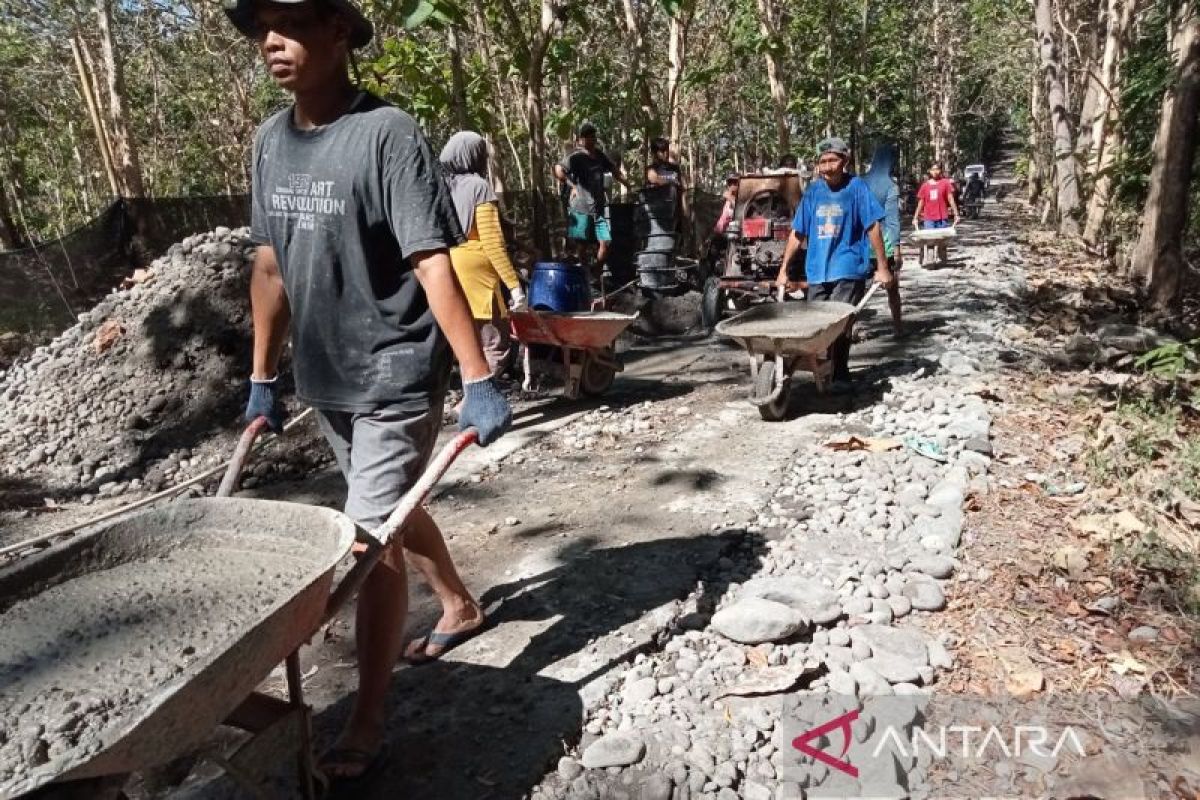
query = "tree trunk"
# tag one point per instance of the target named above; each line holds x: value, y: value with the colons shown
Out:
x: 1106, y: 136
x: 1066, y: 182
x: 940, y: 102
x: 641, y: 58
x: 1158, y: 256
x: 124, y: 147
x: 676, y: 48
x: 483, y: 38
x: 535, y: 111
x: 87, y: 88
x: 458, y: 82
x: 767, y: 26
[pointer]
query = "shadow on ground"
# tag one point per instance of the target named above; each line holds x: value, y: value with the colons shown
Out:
x: 461, y: 730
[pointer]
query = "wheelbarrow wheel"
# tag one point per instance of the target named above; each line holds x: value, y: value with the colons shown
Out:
x: 710, y: 303
x: 775, y: 410
x: 597, y: 376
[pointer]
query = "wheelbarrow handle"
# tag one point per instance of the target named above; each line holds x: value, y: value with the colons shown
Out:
x: 237, y: 461
x: 867, y: 297
x: 377, y: 540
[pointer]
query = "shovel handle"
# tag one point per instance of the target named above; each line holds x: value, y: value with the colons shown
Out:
x: 378, y: 539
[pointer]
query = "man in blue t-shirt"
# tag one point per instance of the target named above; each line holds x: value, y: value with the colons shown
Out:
x: 836, y: 222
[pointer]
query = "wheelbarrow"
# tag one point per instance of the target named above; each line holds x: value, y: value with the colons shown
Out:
x: 126, y: 647
x: 781, y: 337
x: 585, y: 341
x: 927, y: 241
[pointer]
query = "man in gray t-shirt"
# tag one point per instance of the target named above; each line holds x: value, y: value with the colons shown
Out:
x: 353, y: 222
x: 582, y: 174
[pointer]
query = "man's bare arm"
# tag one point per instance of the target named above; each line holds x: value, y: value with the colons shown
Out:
x: 883, y: 273
x: 450, y: 309
x: 270, y: 310
x: 794, y: 242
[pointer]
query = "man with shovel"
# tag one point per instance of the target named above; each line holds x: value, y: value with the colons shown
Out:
x: 353, y: 223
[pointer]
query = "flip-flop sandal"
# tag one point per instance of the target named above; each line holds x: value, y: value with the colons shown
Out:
x: 446, y: 641
x: 351, y: 786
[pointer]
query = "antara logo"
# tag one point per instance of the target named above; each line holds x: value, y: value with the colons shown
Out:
x: 973, y: 742
x: 843, y: 723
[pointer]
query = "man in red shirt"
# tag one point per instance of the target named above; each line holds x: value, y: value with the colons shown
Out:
x: 936, y: 204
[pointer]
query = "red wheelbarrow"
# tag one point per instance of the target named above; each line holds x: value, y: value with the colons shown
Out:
x: 585, y: 341
x: 128, y: 646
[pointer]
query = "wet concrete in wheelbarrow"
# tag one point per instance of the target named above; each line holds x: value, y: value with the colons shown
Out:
x: 87, y: 651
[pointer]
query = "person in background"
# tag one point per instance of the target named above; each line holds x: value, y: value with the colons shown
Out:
x: 835, y: 220
x: 936, y: 205
x: 481, y: 262
x: 662, y: 171
x: 583, y: 171
x: 727, y: 208
x: 663, y: 174
x: 353, y: 225
x: 887, y: 193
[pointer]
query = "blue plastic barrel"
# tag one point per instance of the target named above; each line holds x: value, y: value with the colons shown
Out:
x: 558, y: 286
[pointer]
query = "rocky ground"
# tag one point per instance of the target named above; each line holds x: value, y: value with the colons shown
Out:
x: 680, y: 591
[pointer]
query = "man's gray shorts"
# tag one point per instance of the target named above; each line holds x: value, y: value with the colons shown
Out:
x: 382, y: 453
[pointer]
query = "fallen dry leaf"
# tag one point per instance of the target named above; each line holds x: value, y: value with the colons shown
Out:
x: 1126, y: 521
x: 1187, y: 509
x: 1072, y: 561
x: 870, y: 444
x: 1123, y: 663
x: 107, y: 335
x: 757, y: 657
x: 1025, y: 683
x: 1022, y: 679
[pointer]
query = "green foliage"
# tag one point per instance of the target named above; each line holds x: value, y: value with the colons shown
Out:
x: 1171, y: 360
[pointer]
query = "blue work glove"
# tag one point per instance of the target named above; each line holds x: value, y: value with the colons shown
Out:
x: 485, y: 409
x: 264, y: 402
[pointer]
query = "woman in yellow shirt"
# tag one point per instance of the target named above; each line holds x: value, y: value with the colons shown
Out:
x: 481, y: 262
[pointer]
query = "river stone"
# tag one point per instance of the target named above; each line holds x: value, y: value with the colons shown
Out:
x: 816, y: 602
x: 568, y: 768
x: 655, y: 787
x: 639, y: 692
x: 870, y: 682
x: 894, y: 669
x: 754, y: 620
x: 932, y: 565
x: 884, y: 640
x: 614, y: 750
x: 925, y: 593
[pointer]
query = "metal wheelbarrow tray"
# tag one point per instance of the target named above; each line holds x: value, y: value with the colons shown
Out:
x: 585, y: 339
x: 779, y: 337
x: 124, y: 648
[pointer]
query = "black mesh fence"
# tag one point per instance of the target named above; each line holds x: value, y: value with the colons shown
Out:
x: 43, y: 287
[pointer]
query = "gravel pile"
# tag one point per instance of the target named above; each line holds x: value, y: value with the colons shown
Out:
x: 128, y: 399
x: 830, y: 606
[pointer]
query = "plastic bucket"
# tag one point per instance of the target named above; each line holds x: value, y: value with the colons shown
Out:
x: 558, y: 286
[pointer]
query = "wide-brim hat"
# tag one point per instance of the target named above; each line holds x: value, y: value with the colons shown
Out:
x: 241, y: 14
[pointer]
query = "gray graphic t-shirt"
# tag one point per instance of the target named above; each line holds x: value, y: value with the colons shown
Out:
x: 344, y: 206
x: 586, y: 172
